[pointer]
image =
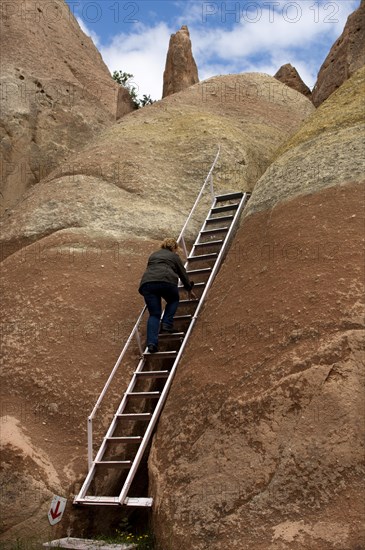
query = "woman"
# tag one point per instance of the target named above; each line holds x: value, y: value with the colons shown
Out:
x: 160, y: 280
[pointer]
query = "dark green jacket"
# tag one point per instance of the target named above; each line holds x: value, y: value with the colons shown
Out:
x: 165, y: 266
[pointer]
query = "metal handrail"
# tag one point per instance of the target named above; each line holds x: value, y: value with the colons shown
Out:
x: 105, y: 389
x: 135, y: 330
x: 209, y: 178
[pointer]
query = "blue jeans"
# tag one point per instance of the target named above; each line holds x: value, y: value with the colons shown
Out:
x: 152, y: 293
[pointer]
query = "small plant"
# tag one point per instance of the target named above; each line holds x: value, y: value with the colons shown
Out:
x: 123, y: 79
x: 146, y: 100
x: 142, y: 541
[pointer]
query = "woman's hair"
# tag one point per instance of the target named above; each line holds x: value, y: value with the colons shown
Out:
x: 170, y: 244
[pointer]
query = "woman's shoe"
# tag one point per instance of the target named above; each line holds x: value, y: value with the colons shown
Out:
x: 152, y: 348
x: 166, y: 328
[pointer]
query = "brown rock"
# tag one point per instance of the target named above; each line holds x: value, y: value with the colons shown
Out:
x: 260, y: 444
x: 345, y: 57
x: 125, y: 102
x: 87, y: 283
x: 287, y: 74
x: 56, y: 92
x: 160, y: 151
x: 181, y: 70
x: 70, y: 298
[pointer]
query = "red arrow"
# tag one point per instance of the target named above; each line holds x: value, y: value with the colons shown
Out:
x: 55, y: 514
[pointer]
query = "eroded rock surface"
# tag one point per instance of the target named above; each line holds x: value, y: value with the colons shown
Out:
x: 69, y: 303
x: 346, y: 56
x: 287, y: 74
x: 180, y: 70
x: 260, y: 444
x: 164, y: 150
x: 56, y: 93
x: 76, y: 246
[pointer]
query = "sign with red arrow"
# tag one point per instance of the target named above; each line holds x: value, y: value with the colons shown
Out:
x: 58, y: 506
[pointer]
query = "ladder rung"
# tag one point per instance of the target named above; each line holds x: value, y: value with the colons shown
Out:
x: 161, y: 354
x: 211, y: 256
x: 219, y: 219
x: 129, y: 501
x: 224, y: 208
x: 229, y: 196
x: 184, y: 302
x: 97, y: 500
x: 214, y: 231
x: 153, y: 374
x: 124, y: 463
x: 182, y: 317
x: 195, y: 285
x: 134, y: 416
x: 173, y: 335
x: 151, y: 394
x: 126, y: 439
x: 209, y: 243
x: 138, y: 501
x: 199, y: 271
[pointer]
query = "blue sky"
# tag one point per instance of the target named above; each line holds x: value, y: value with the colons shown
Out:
x: 227, y: 37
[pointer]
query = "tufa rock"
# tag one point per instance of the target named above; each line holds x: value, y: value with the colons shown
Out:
x: 56, y: 93
x: 70, y: 297
x: 121, y: 173
x: 181, y: 70
x: 345, y: 57
x: 260, y: 443
x: 287, y: 74
x: 125, y: 103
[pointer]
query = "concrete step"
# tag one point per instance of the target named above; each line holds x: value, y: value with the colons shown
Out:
x: 87, y: 544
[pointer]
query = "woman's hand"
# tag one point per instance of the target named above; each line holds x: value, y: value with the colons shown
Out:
x: 191, y: 295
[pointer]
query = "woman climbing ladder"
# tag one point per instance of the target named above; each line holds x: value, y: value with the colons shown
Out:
x: 160, y: 280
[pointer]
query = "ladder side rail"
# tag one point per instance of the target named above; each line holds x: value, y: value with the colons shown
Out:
x: 161, y: 402
x: 107, y: 384
x: 108, y: 434
x: 181, y: 238
x: 212, y: 186
x: 214, y: 271
x: 120, y: 408
x: 193, y: 249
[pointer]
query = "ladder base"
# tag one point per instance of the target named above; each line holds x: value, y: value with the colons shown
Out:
x: 144, y: 502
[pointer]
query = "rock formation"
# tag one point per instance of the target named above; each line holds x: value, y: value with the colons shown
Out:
x: 56, y: 93
x: 261, y: 442
x: 127, y: 169
x: 345, y: 57
x: 125, y: 103
x: 77, y: 245
x: 181, y: 70
x: 287, y: 74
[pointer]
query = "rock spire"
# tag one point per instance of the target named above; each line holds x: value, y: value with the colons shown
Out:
x: 180, y: 70
x: 287, y: 74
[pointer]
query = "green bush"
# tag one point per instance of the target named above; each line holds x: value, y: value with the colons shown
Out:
x: 123, y: 79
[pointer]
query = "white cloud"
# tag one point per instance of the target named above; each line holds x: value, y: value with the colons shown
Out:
x: 142, y: 54
x: 271, y: 34
x: 297, y: 34
x: 191, y: 12
x: 270, y: 31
